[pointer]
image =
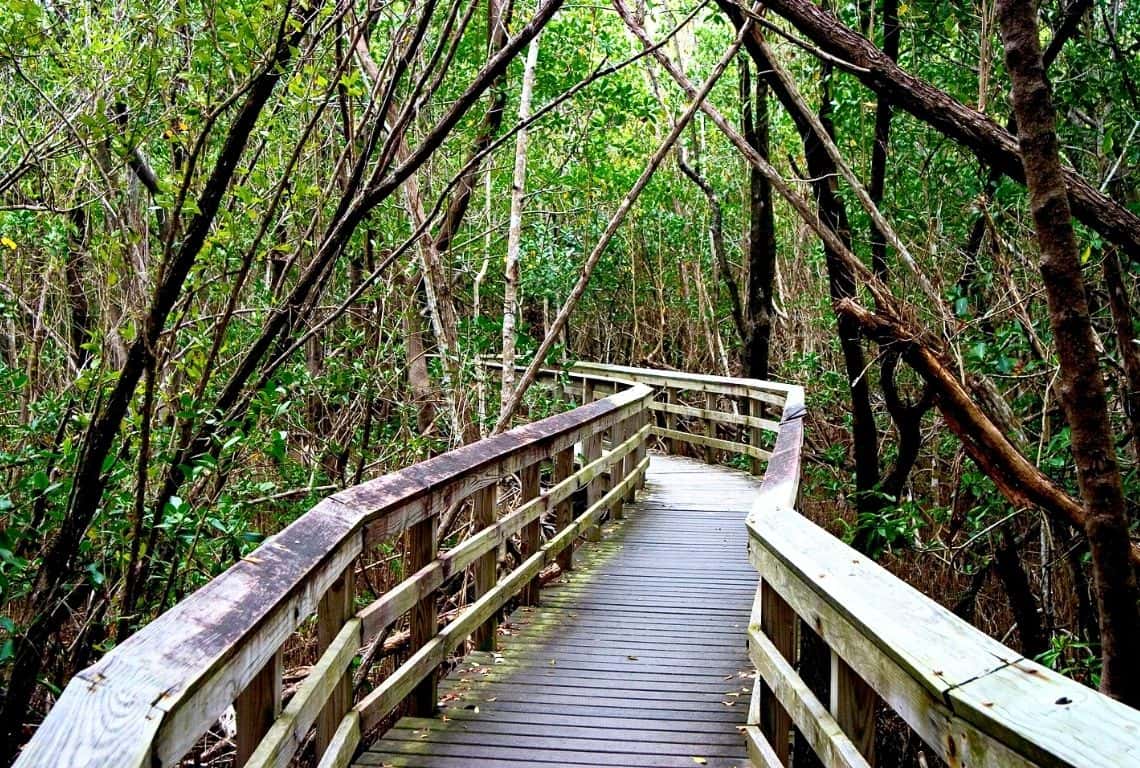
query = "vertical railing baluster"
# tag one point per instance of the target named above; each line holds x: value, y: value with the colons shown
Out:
x: 756, y: 434
x: 710, y: 427
x: 532, y: 531
x: 674, y: 445
x: 592, y: 451
x: 257, y: 707
x: 424, y: 619
x: 778, y: 622
x: 617, y: 469
x: 853, y: 705
x: 629, y: 428
x: 486, y: 573
x: 564, y: 512
x: 333, y: 611
x: 646, y: 415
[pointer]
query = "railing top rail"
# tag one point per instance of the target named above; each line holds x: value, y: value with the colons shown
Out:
x: 154, y: 694
x: 948, y: 679
x: 725, y: 384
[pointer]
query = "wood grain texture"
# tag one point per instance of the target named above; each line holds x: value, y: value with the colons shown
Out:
x: 532, y: 531
x: 486, y: 567
x: 827, y: 739
x: 853, y: 705
x: 711, y: 443
x: 256, y: 708
x: 563, y: 511
x: 778, y: 625
x: 288, y: 732
x: 969, y: 697
x: 335, y: 608
x: 155, y: 694
x: 721, y: 417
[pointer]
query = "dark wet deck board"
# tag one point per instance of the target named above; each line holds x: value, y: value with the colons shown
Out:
x: 638, y: 658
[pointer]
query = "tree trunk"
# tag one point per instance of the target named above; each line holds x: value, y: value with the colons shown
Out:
x: 761, y: 230
x: 615, y: 221
x: 514, y: 229
x: 1125, y: 343
x: 882, y: 140
x: 1081, y: 383
x: 841, y: 282
x: 952, y: 118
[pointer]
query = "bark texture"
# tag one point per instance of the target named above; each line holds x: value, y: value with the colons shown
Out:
x: 761, y: 231
x: 994, y: 145
x: 1081, y: 383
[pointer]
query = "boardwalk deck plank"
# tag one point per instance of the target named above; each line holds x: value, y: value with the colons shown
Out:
x: 636, y: 658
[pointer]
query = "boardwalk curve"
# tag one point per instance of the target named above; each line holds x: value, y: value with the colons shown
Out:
x: 633, y: 659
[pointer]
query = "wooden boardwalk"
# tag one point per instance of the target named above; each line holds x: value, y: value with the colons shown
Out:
x: 637, y: 658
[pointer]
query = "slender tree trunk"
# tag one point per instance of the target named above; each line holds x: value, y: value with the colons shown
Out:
x: 841, y: 281
x: 882, y: 140
x: 761, y: 229
x: 80, y: 321
x: 563, y: 317
x: 49, y: 608
x: 1081, y: 383
x: 1126, y: 345
x: 514, y: 229
x: 950, y: 117
x: 1008, y: 566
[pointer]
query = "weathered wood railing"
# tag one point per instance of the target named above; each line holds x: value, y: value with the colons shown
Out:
x: 974, y: 701
x: 149, y: 700
x: 744, y: 409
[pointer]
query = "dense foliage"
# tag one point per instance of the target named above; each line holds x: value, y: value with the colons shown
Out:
x: 289, y: 359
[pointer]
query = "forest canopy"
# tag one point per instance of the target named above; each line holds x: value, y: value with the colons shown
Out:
x: 255, y: 252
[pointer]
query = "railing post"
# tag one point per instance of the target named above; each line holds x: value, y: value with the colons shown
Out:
x: 646, y: 415
x: 486, y: 575
x: 710, y: 427
x: 424, y: 619
x: 629, y: 463
x: 257, y: 707
x: 333, y: 611
x: 564, y: 512
x: 755, y: 434
x: 778, y: 622
x: 532, y: 531
x: 853, y: 705
x: 671, y: 421
x: 617, y: 469
x: 592, y: 448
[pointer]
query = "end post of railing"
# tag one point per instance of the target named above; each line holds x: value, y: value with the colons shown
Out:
x: 333, y: 612
x: 643, y: 421
x: 592, y: 451
x: 710, y: 427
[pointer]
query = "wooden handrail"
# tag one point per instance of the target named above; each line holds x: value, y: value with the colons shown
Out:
x: 973, y: 700
x: 151, y: 698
